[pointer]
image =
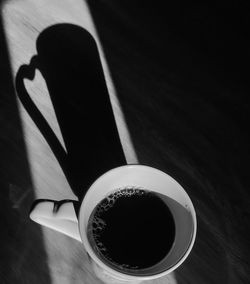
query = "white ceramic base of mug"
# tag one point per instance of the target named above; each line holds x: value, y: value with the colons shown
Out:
x: 108, y: 278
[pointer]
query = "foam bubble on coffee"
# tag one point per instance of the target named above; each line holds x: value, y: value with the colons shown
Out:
x: 121, y: 229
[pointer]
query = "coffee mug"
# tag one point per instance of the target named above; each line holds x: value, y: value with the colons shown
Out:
x: 61, y: 216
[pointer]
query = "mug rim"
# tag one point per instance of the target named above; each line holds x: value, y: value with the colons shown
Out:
x: 109, y: 269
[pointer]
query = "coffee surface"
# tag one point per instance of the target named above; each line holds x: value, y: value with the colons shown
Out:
x: 131, y: 229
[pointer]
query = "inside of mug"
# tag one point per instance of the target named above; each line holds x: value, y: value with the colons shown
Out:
x: 170, y: 192
x: 184, y: 228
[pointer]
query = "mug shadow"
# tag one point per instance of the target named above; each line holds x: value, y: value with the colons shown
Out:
x: 68, y: 59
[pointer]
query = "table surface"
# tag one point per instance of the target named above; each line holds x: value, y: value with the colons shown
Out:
x: 90, y: 85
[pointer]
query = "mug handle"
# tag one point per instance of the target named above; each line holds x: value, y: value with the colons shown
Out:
x: 57, y: 215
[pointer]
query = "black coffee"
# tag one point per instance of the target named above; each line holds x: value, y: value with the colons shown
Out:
x: 131, y: 229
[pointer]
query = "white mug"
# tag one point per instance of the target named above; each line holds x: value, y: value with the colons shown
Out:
x: 62, y: 217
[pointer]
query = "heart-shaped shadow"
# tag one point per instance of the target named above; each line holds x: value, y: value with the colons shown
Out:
x: 68, y: 59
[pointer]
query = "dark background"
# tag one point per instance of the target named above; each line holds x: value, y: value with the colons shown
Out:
x: 182, y: 75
